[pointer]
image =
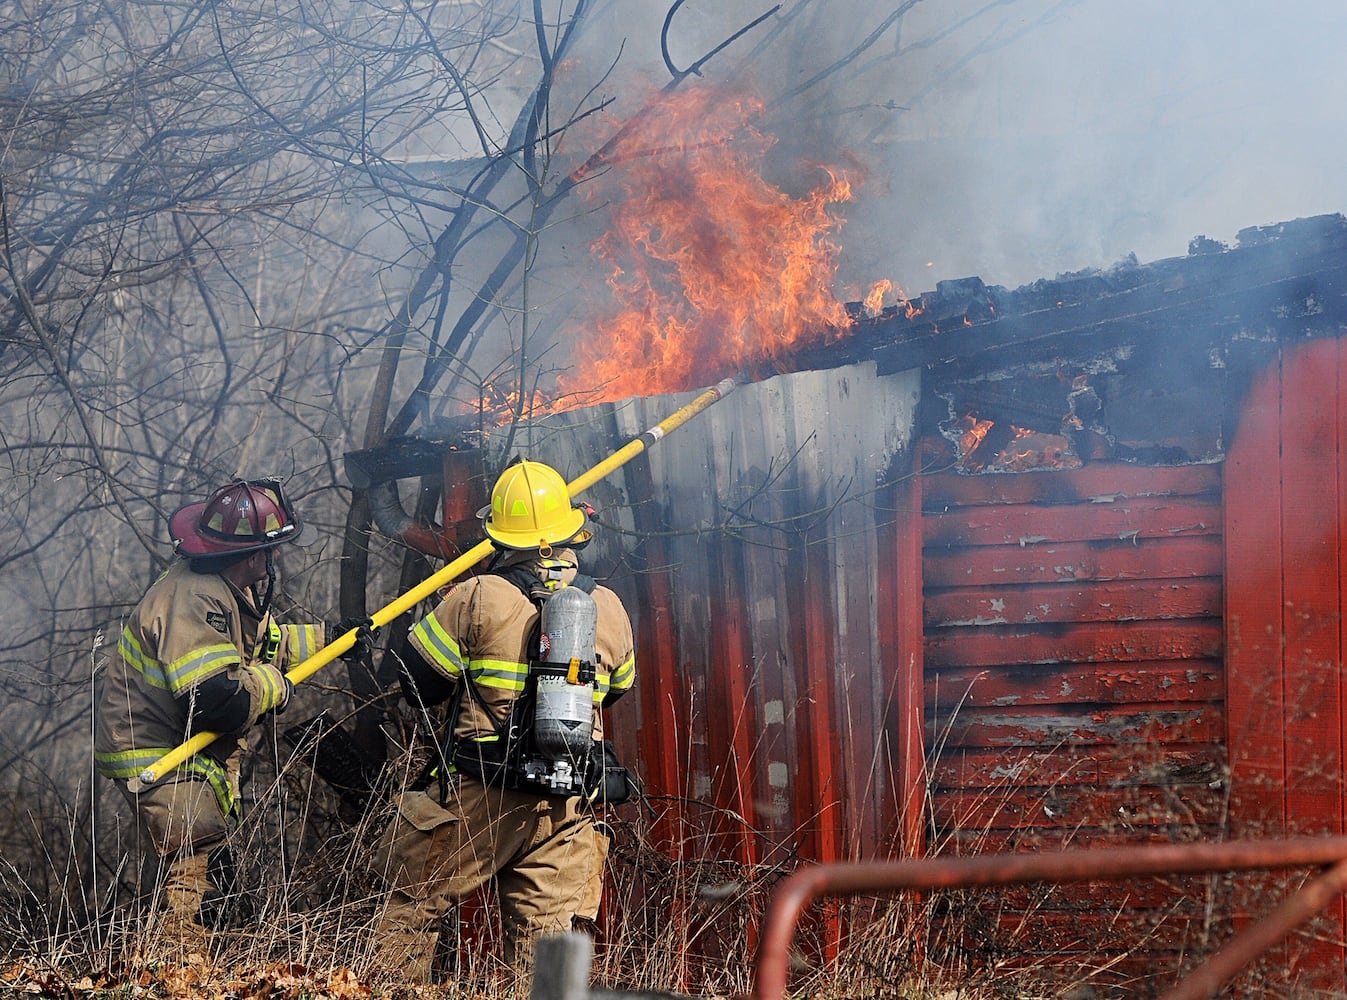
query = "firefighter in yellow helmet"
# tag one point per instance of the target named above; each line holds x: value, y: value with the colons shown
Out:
x: 200, y: 652
x: 511, y: 790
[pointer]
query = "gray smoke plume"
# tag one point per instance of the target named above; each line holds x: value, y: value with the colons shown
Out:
x: 1016, y: 139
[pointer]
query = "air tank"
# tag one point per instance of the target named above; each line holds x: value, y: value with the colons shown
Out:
x: 563, y: 720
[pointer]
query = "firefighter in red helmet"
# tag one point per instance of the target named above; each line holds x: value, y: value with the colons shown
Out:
x: 201, y: 652
x: 511, y: 789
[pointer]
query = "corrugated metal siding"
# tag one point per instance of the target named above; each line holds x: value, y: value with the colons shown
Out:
x: 746, y: 547
x: 1074, y: 685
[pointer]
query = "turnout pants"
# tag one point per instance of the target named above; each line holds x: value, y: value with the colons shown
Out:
x: 545, y: 852
x: 180, y: 821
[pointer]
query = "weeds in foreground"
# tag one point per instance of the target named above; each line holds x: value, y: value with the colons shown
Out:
x: 673, y: 922
x: 686, y: 898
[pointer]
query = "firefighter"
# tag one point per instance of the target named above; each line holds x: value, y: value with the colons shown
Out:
x: 202, y: 651
x: 495, y: 802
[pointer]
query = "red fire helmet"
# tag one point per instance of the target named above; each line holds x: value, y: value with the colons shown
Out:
x: 242, y: 517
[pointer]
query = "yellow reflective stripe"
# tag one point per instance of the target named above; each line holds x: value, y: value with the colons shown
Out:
x: 187, y: 670
x: 440, y: 646
x: 303, y: 641
x: 505, y: 675
x: 136, y: 658
x: 127, y: 764
x: 621, y: 678
x: 181, y: 673
x: 271, y: 687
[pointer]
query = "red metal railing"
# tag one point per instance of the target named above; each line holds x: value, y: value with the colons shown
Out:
x: 865, y: 878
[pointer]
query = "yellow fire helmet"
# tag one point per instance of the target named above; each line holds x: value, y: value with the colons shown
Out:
x: 531, y: 509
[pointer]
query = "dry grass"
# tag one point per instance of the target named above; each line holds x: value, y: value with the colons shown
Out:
x: 673, y: 921
x: 676, y: 919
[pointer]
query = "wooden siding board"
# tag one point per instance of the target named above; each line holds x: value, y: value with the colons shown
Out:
x: 1104, y: 683
x: 1100, y: 601
x: 1339, y: 437
x: 1255, y: 698
x: 1092, y: 483
x: 1097, y: 642
x: 1095, y: 766
x: 1190, y: 895
x: 1312, y: 610
x: 1123, y: 809
x: 814, y: 788
x: 1176, y: 557
x: 1024, y: 525
x: 897, y: 600
x: 904, y: 609
x: 761, y: 428
x: 1045, y: 728
x: 729, y: 697
x: 1053, y: 935
x: 965, y: 843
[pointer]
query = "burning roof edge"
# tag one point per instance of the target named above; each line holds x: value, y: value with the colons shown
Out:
x: 1278, y: 282
x: 1289, y: 278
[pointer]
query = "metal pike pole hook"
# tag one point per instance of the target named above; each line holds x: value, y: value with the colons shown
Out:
x: 389, y: 612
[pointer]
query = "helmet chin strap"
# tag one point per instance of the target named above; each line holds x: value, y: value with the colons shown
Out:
x: 263, y: 601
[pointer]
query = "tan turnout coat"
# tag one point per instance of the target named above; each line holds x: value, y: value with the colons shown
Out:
x: 545, y: 851
x: 187, y: 628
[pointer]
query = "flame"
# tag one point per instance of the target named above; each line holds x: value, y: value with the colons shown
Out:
x: 712, y: 269
x: 874, y: 299
x: 502, y: 401
x: 1027, y: 449
x: 974, y: 431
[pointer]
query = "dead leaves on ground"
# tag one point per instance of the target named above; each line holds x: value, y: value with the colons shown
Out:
x: 196, y: 980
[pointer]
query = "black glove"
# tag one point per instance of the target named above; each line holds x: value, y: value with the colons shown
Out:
x: 364, y: 639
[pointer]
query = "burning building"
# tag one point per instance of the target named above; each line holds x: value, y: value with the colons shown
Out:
x: 997, y: 570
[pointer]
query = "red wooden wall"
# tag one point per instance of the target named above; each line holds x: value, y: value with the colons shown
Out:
x: 1286, y: 480
x: 1122, y: 654
x: 1074, y: 686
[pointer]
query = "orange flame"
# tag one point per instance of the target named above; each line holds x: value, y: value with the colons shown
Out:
x: 712, y: 268
x: 1026, y: 449
x: 874, y: 299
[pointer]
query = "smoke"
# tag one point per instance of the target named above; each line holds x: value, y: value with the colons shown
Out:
x: 1020, y: 139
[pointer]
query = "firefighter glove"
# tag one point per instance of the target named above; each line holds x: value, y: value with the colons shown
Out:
x: 276, y: 689
x: 365, y: 631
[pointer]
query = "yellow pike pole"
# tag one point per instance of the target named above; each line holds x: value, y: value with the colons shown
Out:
x: 389, y: 612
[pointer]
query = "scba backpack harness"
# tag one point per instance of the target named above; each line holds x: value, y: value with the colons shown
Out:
x: 546, y: 744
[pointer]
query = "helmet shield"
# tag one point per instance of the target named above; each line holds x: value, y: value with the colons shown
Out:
x: 244, y: 516
x: 531, y: 509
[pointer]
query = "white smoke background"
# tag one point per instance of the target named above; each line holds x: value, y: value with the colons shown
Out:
x: 1019, y: 139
